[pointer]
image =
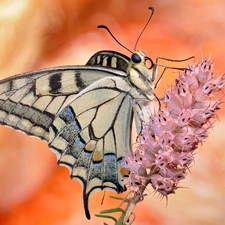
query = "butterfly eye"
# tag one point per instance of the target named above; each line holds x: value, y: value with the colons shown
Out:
x: 136, y: 58
x: 149, y: 63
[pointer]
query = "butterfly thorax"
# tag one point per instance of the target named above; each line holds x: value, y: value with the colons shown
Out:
x: 139, y: 75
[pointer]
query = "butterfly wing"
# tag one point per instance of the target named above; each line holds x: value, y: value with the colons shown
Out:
x: 92, y: 133
x: 30, y: 101
x: 50, y: 102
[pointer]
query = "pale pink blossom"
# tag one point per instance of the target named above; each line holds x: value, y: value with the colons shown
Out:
x: 167, y: 145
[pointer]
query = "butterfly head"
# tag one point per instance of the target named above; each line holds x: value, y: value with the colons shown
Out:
x: 140, y: 71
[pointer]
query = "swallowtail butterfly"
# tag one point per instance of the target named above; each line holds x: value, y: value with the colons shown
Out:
x: 84, y: 113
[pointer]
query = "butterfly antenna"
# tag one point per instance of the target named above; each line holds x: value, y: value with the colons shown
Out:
x: 105, y: 27
x: 152, y: 12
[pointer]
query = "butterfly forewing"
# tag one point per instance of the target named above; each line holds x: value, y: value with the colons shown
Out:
x: 30, y: 101
x: 21, y: 109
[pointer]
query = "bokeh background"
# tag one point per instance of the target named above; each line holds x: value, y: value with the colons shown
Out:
x: 37, y: 34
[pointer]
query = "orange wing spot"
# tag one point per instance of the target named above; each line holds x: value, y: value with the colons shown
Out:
x: 98, y: 155
x: 124, y: 172
x: 98, y: 151
x: 90, y: 146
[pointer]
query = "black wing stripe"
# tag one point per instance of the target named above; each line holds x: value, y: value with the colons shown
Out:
x: 42, y: 119
x: 55, y: 83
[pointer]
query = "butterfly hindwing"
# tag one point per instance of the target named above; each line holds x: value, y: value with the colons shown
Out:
x: 89, y: 137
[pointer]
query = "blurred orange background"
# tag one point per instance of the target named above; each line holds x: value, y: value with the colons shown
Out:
x: 37, y: 34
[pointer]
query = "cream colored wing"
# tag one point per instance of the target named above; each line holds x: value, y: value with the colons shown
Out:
x: 84, y: 112
x: 92, y: 133
x: 29, y: 101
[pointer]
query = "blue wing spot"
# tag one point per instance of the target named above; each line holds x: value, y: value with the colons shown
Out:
x: 110, y: 157
x: 78, y: 146
x: 76, y: 125
x: 110, y: 168
x: 67, y: 114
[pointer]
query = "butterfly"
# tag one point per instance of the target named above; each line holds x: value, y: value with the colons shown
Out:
x: 84, y: 113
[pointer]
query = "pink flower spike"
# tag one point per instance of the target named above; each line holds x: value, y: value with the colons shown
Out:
x: 167, y: 145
